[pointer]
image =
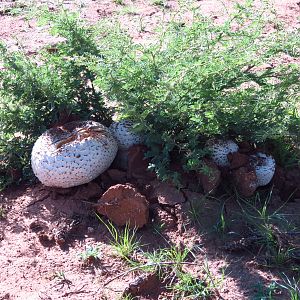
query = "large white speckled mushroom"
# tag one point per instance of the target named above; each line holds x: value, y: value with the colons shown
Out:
x: 73, y: 154
x: 264, y: 168
x: 220, y: 149
x: 123, y: 133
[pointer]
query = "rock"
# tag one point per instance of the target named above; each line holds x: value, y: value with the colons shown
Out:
x: 245, y: 147
x: 145, y: 284
x: 210, y: 177
x: 279, y: 178
x: 117, y: 175
x: 291, y: 187
x: 166, y: 193
x: 238, y: 160
x: 245, y: 181
x: 137, y: 163
x: 190, y: 181
x: 123, y: 204
x: 193, y: 197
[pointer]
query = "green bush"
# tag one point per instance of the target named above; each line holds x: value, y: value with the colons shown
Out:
x: 200, y: 79
x: 203, y: 79
x: 37, y: 92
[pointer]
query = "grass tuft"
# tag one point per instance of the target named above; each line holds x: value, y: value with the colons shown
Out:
x: 124, y: 241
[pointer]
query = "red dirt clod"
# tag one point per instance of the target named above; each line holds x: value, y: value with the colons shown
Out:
x: 245, y: 181
x: 237, y: 160
x: 123, y: 204
x: 45, y: 239
x: 166, y: 193
x: 193, y: 197
x: 279, y: 178
x: 210, y: 177
x: 245, y: 147
x: 291, y: 184
x: 144, y: 284
x: 137, y: 163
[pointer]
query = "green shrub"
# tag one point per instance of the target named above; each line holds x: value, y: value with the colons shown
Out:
x: 199, y: 80
x: 203, y: 79
x: 37, y: 92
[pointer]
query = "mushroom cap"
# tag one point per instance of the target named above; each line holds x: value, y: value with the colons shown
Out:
x: 73, y: 154
x: 220, y: 149
x: 264, y: 168
x: 123, y: 133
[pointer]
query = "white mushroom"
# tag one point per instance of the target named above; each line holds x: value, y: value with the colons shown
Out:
x: 123, y: 133
x: 73, y: 154
x: 264, y: 168
x: 220, y: 149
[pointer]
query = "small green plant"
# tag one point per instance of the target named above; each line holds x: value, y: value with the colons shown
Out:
x: 119, y: 2
x: 221, y: 226
x: 285, y: 152
x: 19, y: 7
x: 129, y: 10
x: 266, y: 293
x: 167, y: 261
x: 59, y: 275
x: 161, y: 3
x: 90, y: 255
x: 190, y: 287
x: 3, y: 212
x: 268, y: 228
x: 61, y: 278
x: 292, y: 286
x: 195, y: 212
x: 124, y: 242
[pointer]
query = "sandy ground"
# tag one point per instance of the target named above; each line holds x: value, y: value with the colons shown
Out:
x: 35, y: 266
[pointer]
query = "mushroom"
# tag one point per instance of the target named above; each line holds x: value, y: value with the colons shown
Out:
x: 264, y: 166
x: 73, y: 154
x: 123, y: 133
x: 220, y: 149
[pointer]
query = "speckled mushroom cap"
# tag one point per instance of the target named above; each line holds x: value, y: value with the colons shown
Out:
x: 123, y: 133
x: 220, y: 149
x: 264, y: 168
x: 73, y: 154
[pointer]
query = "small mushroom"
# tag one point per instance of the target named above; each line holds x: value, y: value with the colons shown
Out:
x: 123, y: 133
x: 220, y: 149
x: 264, y: 166
x: 73, y: 154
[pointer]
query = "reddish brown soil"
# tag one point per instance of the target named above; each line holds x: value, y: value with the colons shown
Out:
x: 43, y: 231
